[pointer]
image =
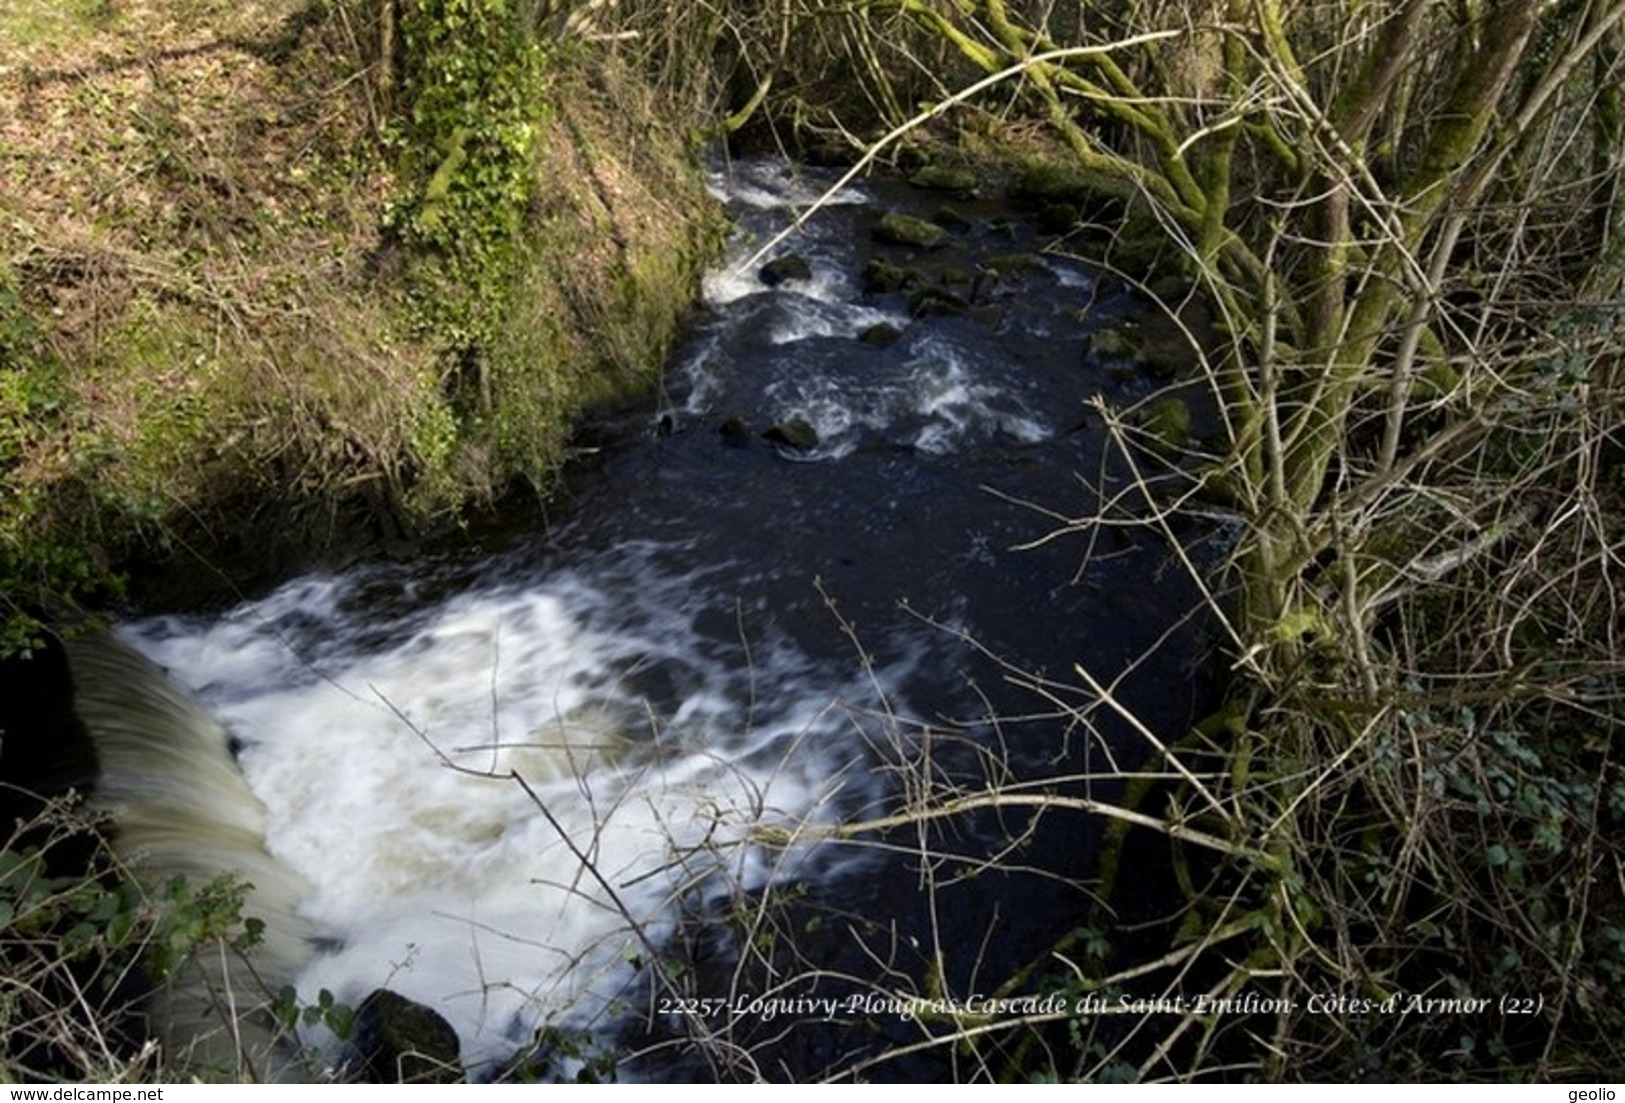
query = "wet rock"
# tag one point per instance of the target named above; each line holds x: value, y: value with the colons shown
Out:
x: 1169, y: 423
x: 1117, y: 342
x: 905, y: 229
x: 950, y: 219
x: 951, y: 178
x: 734, y: 432
x: 831, y: 154
x: 1046, y: 183
x: 397, y: 1041
x: 881, y: 335
x: 926, y: 301
x: 1165, y: 356
x: 795, y: 433
x: 1003, y: 265
x: 785, y: 268
x: 882, y: 277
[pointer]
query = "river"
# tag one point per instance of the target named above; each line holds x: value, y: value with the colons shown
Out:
x: 579, y: 770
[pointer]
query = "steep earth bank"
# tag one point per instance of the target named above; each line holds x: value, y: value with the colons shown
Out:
x: 231, y: 342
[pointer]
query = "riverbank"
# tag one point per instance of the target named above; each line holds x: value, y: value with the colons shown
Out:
x: 227, y: 344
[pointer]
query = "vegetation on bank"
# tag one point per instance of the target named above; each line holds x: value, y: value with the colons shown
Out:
x: 261, y: 273
x: 264, y: 297
x: 1407, y: 222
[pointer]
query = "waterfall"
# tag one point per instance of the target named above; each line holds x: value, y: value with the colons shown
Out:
x: 180, y: 807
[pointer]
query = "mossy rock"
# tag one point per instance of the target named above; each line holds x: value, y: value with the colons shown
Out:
x: 795, y: 433
x: 831, y: 154
x: 926, y: 301
x: 950, y: 219
x: 1142, y: 251
x: 783, y: 269
x: 881, y: 277
x: 1115, y: 342
x: 398, y: 1041
x: 1044, y: 183
x: 1169, y: 423
x: 950, y: 178
x: 911, y: 157
x: 1011, y: 264
x: 1165, y: 358
x: 881, y: 335
x: 904, y: 229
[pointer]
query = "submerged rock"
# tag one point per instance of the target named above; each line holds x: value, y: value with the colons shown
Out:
x: 1012, y: 264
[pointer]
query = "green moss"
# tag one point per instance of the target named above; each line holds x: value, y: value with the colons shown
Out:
x: 903, y: 229
x: 1116, y: 342
x: 1169, y: 423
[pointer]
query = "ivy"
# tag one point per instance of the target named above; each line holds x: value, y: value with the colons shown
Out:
x: 473, y: 77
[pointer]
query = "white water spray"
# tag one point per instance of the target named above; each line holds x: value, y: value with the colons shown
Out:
x: 494, y: 820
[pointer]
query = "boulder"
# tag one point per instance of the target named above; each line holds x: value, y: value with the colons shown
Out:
x: 951, y: 178
x: 925, y: 301
x: 1169, y: 423
x: 782, y: 269
x: 881, y: 335
x: 881, y: 277
x: 795, y: 433
x: 1115, y: 342
x: 398, y: 1041
x: 905, y: 229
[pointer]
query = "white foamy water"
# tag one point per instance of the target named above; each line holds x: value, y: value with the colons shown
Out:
x: 935, y: 404
x: 773, y: 185
x: 488, y: 807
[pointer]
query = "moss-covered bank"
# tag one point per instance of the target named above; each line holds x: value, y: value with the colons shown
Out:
x: 263, y: 298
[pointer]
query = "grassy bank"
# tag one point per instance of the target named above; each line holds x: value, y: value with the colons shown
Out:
x: 259, y: 303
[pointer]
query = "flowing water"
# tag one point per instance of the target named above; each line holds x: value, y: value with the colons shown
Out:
x: 517, y: 774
